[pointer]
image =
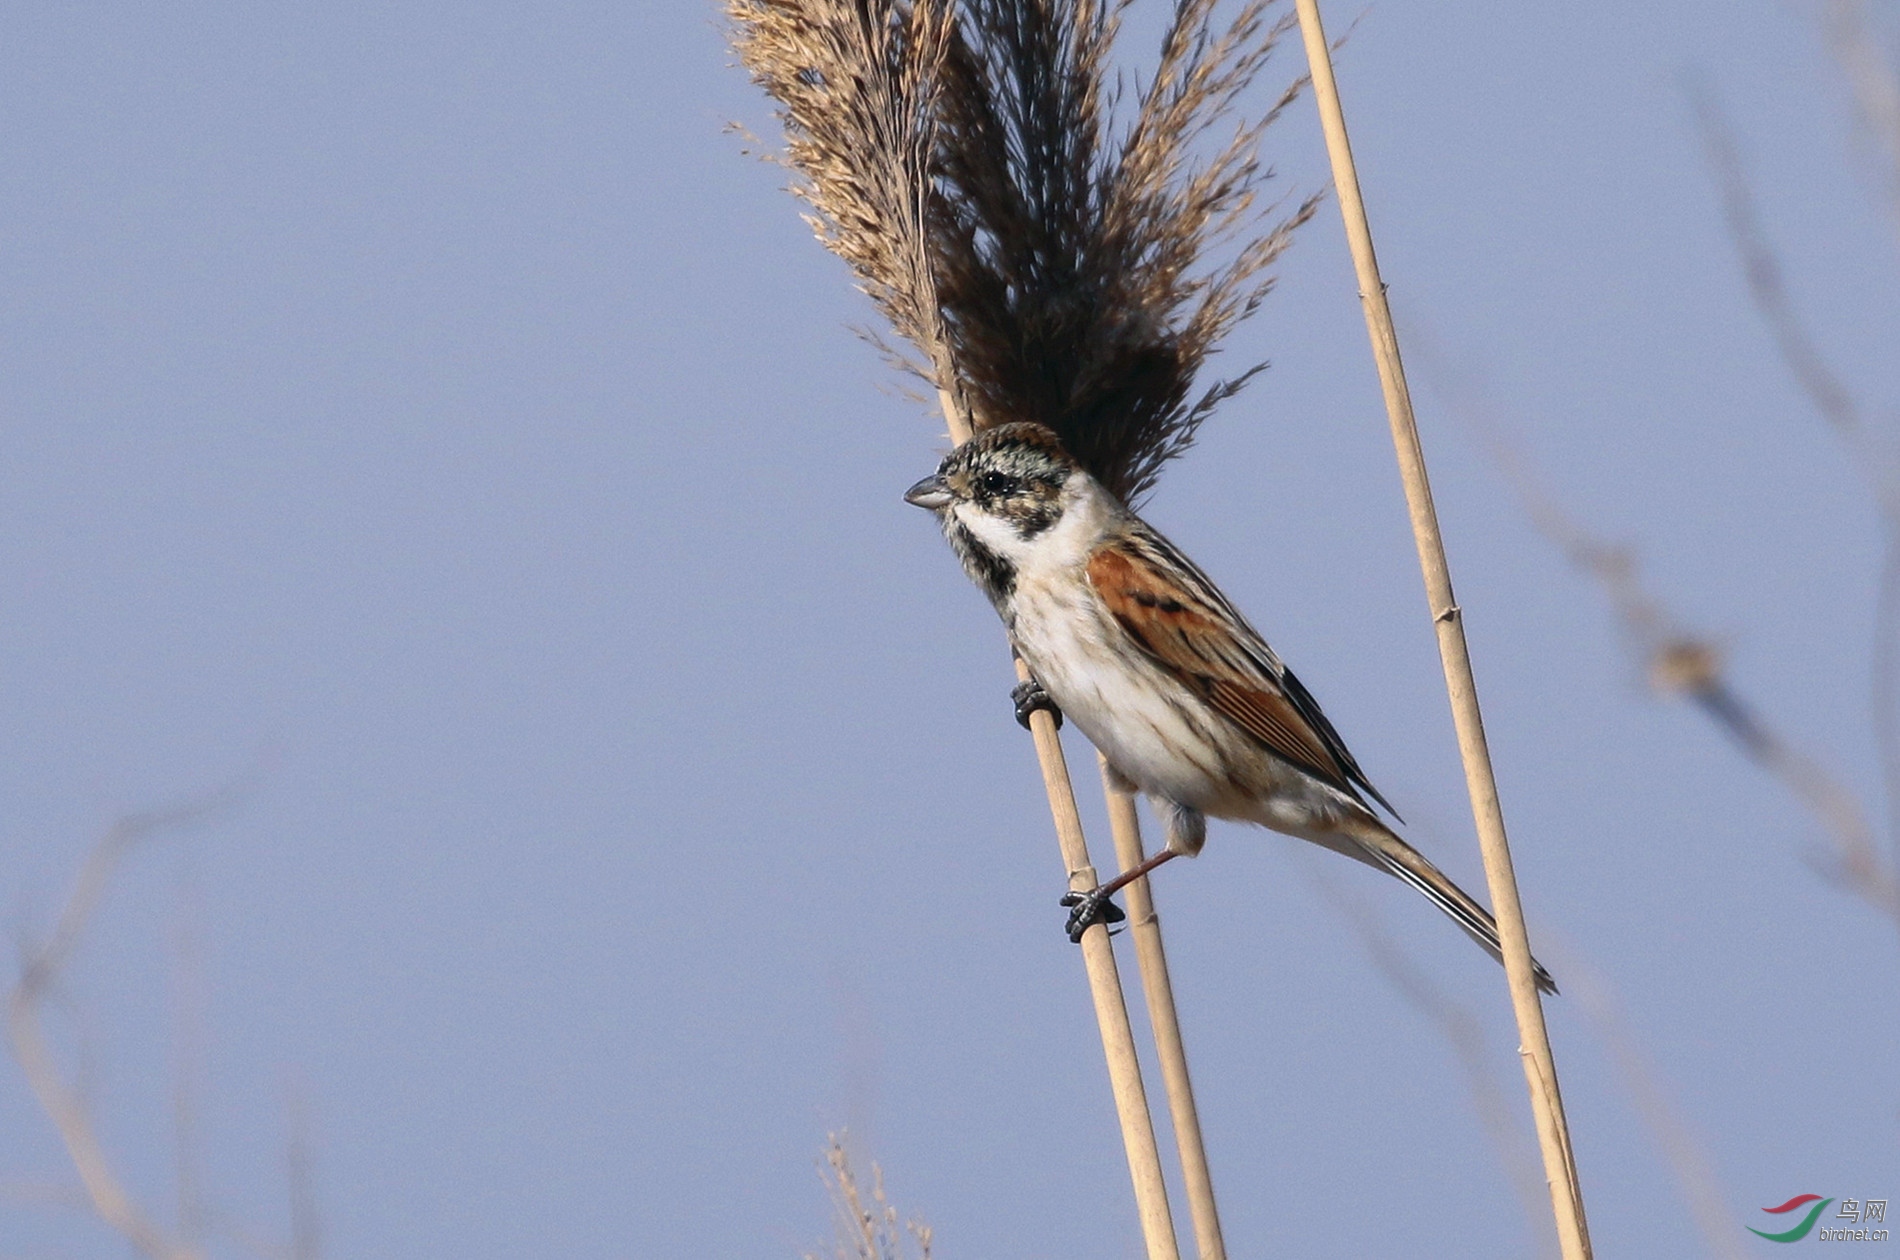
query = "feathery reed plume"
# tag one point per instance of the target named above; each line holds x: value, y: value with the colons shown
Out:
x: 1048, y: 261
x: 1071, y: 249
x: 858, y: 84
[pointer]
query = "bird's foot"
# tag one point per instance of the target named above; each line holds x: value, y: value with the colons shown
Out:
x: 1087, y: 909
x: 1029, y: 697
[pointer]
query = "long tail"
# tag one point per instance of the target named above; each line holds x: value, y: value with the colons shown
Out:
x: 1386, y: 851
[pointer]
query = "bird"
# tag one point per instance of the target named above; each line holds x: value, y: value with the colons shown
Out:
x: 1144, y: 654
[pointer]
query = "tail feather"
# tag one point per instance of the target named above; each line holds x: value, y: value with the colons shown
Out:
x: 1386, y: 851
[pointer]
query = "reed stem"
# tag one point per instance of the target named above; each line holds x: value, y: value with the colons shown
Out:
x: 1540, y: 1068
x: 1098, y: 957
x: 1158, y: 987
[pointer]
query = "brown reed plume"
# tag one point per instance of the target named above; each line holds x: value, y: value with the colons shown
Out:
x: 1048, y: 259
x: 858, y: 87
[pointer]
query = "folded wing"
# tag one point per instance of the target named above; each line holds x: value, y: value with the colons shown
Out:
x: 1174, y: 614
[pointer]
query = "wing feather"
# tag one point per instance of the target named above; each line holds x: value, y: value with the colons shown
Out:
x: 1179, y: 618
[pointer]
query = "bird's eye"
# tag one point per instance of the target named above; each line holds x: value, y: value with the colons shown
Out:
x: 994, y: 485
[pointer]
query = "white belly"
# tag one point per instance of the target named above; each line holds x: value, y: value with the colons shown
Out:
x: 1151, y: 727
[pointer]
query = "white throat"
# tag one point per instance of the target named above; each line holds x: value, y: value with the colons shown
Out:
x: 1087, y: 512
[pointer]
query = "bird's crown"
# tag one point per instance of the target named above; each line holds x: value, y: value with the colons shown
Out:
x: 1008, y: 462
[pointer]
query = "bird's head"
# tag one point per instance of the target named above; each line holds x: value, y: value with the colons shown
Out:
x: 1000, y: 497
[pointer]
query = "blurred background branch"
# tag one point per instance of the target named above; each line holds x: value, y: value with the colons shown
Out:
x: 1874, y: 84
x: 102, y: 1192
x: 40, y: 972
x: 1462, y: 1031
x: 1876, y: 92
x: 1822, y: 386
x: 1682, y: 662
x: 1682, y: 1149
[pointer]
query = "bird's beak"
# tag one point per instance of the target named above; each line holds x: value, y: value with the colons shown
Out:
x: 930, y: 493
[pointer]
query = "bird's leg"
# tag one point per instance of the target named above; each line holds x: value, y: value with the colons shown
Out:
x: 1187, y: 826
x: 1089, y: 908
x: 1029, y: 696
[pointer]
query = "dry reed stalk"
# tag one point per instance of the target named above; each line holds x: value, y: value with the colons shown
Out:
x: 1540, y: 1068
x: 1046, y: 264
x: 1164, y: 1022
x: 1111, y: 1008
x: 1105, y: 987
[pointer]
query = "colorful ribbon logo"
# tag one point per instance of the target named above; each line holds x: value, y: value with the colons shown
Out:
x: 1800, y: 1231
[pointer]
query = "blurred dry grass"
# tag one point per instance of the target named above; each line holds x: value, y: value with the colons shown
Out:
x: 1681, y: 662
x: 101, y: 1192
x: 868, y: 1225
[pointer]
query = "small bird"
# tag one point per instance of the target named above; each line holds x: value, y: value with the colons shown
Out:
x: 1141, y: 650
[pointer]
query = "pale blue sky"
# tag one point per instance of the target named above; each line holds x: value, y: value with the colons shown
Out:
x: 431, y: 403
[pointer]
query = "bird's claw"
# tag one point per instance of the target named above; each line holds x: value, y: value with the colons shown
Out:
x: 1087, y: 909
x: 1029, y: 697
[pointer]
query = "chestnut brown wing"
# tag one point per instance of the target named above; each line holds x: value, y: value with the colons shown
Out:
x: 1173, y: 613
